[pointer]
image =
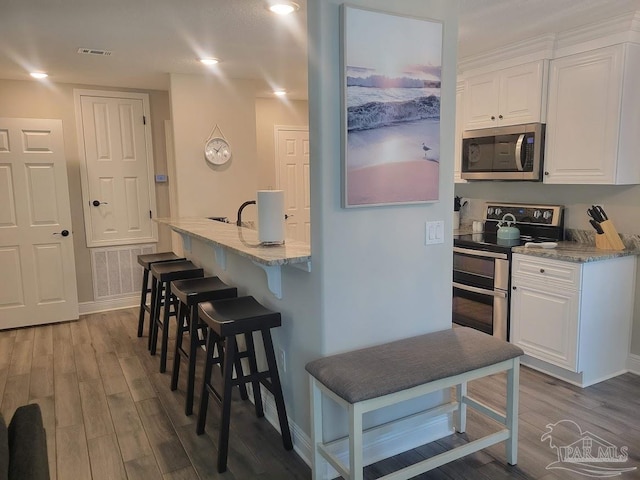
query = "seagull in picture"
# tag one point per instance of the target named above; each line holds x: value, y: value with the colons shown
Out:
x: 426, y: 149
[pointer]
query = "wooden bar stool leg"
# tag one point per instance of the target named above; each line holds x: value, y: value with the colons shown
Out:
x: 277, y: 389
x: 225, y: 415
x: 168, y: 302
x: 143, y: 300
x: 244, y: 395
x: 193, y: 352
x: 155, y: 311
x: 176, y: 353
x: 253, y: 369
x: 204, y: 397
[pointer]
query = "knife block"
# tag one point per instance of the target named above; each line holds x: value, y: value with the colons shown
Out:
x: 610, y: 239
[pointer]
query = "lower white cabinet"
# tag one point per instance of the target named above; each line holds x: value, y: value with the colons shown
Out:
x: 573, y: 320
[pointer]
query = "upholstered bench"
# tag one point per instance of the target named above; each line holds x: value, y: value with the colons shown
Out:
x: 383, y: 375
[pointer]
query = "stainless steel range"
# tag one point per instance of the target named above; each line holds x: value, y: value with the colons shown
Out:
x: 482, y: 264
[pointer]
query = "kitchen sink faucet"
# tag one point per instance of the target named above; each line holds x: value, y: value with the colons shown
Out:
x: 239, y: 220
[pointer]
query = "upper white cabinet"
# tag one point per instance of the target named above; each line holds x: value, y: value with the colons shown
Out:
x: 457, y: 151
x: 505, y: 97
x: 593, y: 121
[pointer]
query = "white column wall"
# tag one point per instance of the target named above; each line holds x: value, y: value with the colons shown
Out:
x: 379, y: 282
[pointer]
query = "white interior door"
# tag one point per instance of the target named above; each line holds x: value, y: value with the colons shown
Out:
x: 292, y: 158
x: 37, y: 265
x: 118, y: 193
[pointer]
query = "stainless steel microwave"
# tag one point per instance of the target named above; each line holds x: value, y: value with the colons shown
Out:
x: 504, y: 153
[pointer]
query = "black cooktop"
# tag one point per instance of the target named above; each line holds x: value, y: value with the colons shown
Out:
x: 490, y: 242
x: 537, y: 223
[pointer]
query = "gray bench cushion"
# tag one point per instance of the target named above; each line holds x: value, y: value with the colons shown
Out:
x: 383, y: 369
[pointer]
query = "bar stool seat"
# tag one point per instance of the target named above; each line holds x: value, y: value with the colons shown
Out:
x: 190, y: 293
x: 163, y: 274
x: 146, y: 261
x: 225, y: 319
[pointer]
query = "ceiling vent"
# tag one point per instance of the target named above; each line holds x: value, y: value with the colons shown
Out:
x: 94, y: 51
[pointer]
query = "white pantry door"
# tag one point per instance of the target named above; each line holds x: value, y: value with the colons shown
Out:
x: 292, y: 157
x: 38, y: 274
x: 118, y: 191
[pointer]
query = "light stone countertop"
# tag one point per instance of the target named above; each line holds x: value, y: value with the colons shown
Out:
x: 575, y: 252
x: 240, y: 240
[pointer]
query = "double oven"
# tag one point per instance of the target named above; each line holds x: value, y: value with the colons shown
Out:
x: 482, y: 264
x: 481, y: 290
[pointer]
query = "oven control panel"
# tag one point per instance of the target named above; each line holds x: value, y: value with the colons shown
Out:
x: 549, y: 215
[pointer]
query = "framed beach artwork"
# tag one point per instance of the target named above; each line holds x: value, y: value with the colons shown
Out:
x: 391, y: 108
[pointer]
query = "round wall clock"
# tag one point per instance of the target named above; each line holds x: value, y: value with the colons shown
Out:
x: 217, y: 151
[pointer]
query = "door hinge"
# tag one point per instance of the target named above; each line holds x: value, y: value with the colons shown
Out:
x: 144, y: 120
x: 150, y: 214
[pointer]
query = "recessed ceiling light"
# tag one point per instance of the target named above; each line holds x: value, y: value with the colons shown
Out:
x: 280, y: 92
x: 283, y: 8
x: 39, y: 75
x: 209, y: 61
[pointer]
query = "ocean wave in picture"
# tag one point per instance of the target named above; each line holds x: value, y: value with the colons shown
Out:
x: 381, y: 81
x: 381, y: 114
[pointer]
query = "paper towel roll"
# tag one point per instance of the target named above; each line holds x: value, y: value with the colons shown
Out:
x: 271, y: 216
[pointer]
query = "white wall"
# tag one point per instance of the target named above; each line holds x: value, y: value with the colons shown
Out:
x: 379, y: 282
x: 198, y: 103
x: 269, y: 113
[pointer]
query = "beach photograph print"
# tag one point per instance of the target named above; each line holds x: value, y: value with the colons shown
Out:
x: 391, y: 96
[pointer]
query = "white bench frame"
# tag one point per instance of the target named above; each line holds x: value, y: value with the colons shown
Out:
x: 322, y: 455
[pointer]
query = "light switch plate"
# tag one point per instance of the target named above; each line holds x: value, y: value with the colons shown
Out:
x: 434, y: 232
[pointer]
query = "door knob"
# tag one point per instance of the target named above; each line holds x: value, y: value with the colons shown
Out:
x: 64, y: 233
x: 97, y: 203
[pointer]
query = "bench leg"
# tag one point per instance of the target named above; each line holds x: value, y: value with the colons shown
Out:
x: 513, y: 380
x: 355, y: 442
x: 318, y: 463
x: 460, y: 416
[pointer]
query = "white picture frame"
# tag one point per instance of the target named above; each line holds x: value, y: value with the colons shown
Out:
x: 391, y: 79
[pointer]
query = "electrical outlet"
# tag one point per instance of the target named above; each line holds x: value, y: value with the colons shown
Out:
x: 283, y: 360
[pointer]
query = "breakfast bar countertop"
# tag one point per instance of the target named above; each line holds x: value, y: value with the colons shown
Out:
x: 240, y: 240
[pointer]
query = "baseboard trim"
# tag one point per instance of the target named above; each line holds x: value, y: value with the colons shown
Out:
x: 379, y: 443
x: 633, y: 363
x: 110, y: 304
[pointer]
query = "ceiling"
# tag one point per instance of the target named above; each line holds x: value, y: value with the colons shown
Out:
x: 150, y: 38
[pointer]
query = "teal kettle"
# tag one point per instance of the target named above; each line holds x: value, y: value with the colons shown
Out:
x: 507, y: 229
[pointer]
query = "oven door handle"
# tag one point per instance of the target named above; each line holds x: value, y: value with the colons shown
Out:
x: 482, y: 291
x: 479, y: 253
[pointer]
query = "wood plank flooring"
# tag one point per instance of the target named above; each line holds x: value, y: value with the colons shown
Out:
x: 109, y: 414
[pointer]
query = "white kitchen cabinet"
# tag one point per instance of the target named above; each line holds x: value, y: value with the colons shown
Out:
x: 457, y: 149
x: 510, y: 96
x: 593, y: 117
x: 573, y: 320
x: 547, y: 321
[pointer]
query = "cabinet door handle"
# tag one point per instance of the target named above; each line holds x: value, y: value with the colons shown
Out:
x: 542, y: 270
x: 546, y: 173
x: 514, y: 288
x: 500, y: 117
x: 493, y: 117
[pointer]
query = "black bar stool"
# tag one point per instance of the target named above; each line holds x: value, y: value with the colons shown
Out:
x: 163, y: 274
x: 190, y: 293
x: 225, y: 319
x: 146, y: 261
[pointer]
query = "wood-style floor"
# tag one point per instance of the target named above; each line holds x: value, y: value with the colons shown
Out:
x: 109, y: 414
